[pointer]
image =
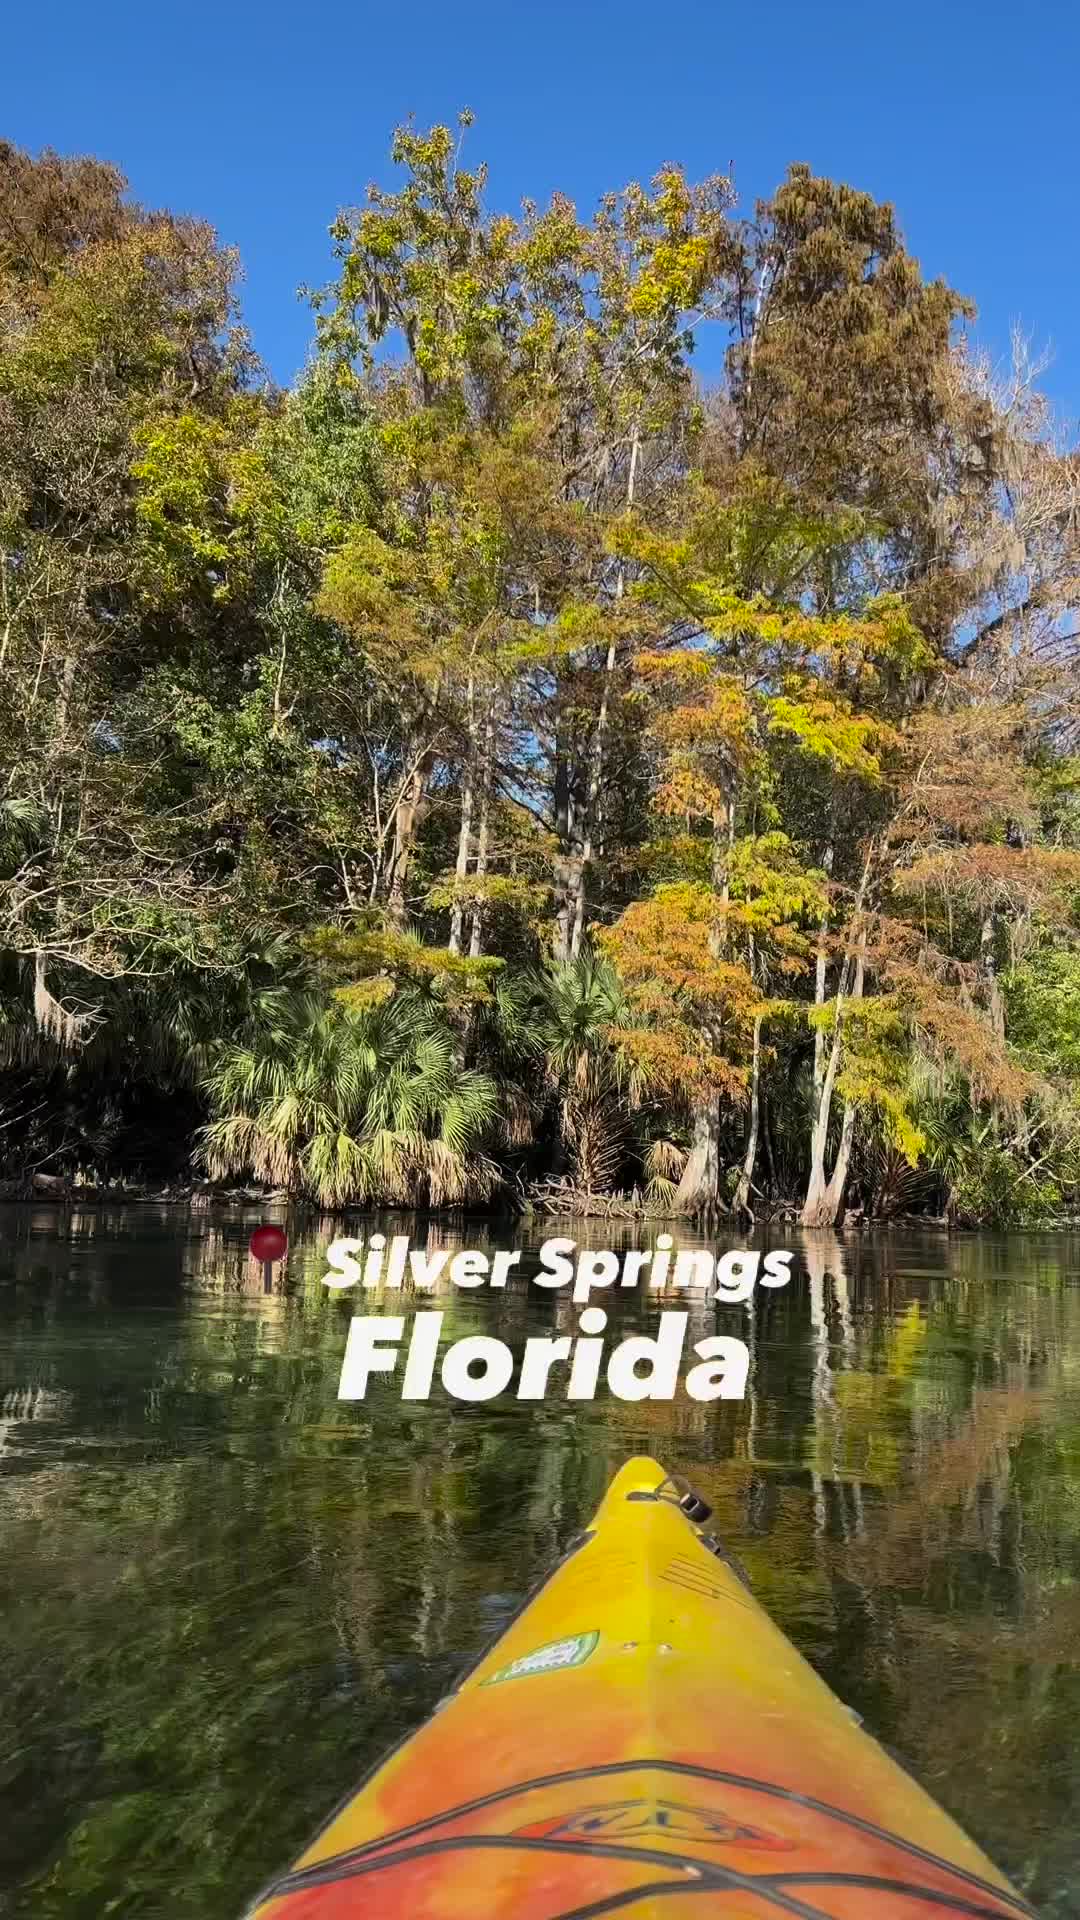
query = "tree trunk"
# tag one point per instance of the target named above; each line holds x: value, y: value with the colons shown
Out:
x: 767, y: 1145
x: 988, y: 961
x: 699, y: 1188
x: 818, y: 1209
x: 834, y: 1193
x: 741, y: 1202
x: 596, y: 754
x: 476, y: 938
x: 596, y: 769
x: 406, y: 820
x: 64, y: 694
x: 464, y: 851
x: 700, y: 1183
x: 824, y: 1200
x: 819, y: 990
x: 567, y: 866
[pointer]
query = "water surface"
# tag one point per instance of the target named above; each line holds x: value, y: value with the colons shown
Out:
x: 224, y: 1592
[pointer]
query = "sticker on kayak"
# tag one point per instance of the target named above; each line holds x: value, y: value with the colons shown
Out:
x: 664, y: 1819
x: 571, y: 1652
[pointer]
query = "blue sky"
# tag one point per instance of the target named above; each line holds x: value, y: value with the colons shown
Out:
x: 265, y: 119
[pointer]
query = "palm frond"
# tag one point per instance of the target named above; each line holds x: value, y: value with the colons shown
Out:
x: 351, y: 1105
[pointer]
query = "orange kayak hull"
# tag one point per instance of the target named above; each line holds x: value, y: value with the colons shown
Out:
x: 644, y: 1739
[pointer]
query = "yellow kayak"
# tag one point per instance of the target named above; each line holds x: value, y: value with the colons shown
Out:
x: 642, y: 1739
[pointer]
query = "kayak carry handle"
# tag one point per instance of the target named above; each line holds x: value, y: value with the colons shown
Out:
x: 687, y: 1501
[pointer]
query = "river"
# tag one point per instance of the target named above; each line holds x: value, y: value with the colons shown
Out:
x: 224, y: 1592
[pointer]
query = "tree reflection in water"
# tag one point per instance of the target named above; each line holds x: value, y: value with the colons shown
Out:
x: 225, y: 1592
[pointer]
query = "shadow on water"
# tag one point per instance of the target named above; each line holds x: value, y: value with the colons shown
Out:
x: 224, y: 1591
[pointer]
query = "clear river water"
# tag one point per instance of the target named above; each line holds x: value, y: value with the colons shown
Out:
x: 223, y: 1592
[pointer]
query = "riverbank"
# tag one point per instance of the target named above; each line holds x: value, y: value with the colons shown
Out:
x: 548, y: 1199
x: 130, y: 1192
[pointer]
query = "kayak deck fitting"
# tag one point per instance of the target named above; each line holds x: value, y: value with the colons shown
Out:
x: 641, y: 1739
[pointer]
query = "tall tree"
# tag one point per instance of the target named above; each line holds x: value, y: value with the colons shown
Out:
x: 108, y: 315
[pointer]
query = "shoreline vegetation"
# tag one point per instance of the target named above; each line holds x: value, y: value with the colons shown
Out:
x: 550, y: 1200
x: 506, y: 769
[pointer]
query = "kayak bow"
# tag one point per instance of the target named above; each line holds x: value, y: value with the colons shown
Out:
x: 641, y: 1739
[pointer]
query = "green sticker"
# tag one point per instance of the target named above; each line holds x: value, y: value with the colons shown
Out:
x: 549, y: 1659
